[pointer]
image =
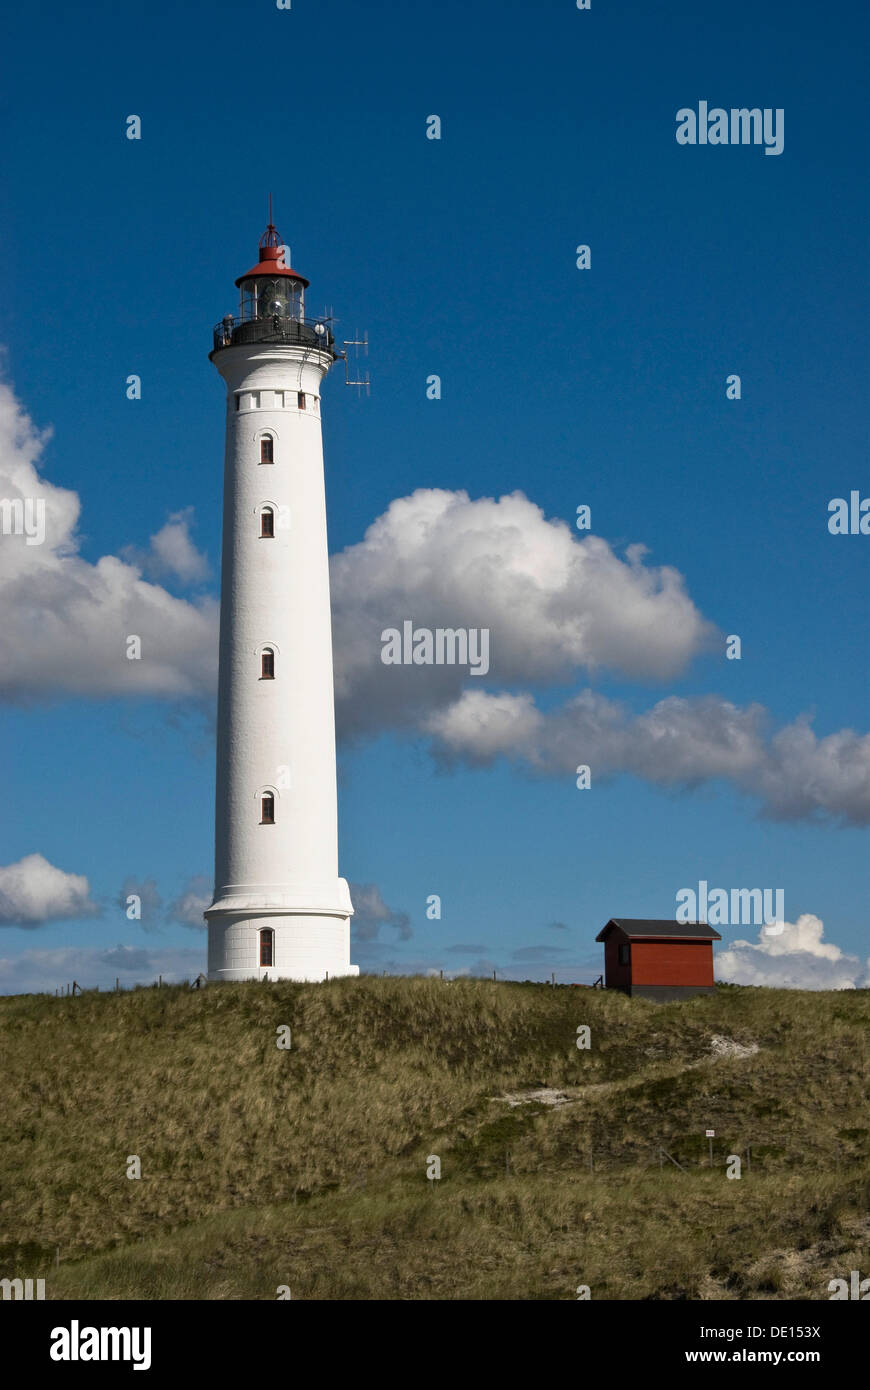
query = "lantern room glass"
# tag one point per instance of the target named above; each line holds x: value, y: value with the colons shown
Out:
x: 264, y: 297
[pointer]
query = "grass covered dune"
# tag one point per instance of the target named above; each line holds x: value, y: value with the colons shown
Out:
x: 306, y: 1166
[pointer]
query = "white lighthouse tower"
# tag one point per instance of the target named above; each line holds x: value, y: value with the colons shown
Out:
x: 280, y: 909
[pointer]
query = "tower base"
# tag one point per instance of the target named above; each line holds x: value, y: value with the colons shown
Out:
x: 305, y: 947
x: 309, y: 941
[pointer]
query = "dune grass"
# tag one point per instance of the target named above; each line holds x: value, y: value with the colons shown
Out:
x: 306, y: 1167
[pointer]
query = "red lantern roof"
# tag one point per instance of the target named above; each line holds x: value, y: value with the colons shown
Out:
x: 271, y: 253
x: 271, y: 265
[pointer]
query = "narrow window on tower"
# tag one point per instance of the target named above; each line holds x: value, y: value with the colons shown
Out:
x: 301, y: 399
x: 267, y: 947
x: 267, y: 809
x: 267, y: 665
x: 266, y: 449
x: 624, y: 954
x: 267, y: 524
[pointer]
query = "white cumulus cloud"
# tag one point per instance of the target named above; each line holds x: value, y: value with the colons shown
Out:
x: 33, y: 891
x: 796, y: 958
x: 679, y: 742
x: 557, y: 604
x: 553, y: 602
x: 171, y: 552
x: 66, y: 621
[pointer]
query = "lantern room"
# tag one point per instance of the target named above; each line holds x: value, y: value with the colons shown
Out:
x: 270, y: 289
x: 272, y: 305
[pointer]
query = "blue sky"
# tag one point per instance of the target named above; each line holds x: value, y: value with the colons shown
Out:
x: 604, y: 387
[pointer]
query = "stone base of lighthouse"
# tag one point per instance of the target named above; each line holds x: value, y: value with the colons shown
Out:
x: 308, y: 942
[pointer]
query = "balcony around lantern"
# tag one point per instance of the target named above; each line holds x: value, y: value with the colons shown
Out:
x: 273, y: 328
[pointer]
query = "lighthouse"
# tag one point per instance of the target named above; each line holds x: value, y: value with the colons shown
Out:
x: 280, y: 909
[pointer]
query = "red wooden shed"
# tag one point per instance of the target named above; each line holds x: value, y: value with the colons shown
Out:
x: 658, y: 959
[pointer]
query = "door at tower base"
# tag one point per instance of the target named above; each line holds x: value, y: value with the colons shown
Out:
x: 302, y: 947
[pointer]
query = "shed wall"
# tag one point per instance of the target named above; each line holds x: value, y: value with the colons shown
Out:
x: 616, y: 976
x: 671, y: 963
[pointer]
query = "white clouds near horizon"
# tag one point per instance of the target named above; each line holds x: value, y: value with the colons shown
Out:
x: 796, y: 958
x: 558, y: 604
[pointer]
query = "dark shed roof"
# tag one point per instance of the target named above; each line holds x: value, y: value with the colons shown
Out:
x: 638, y: 928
